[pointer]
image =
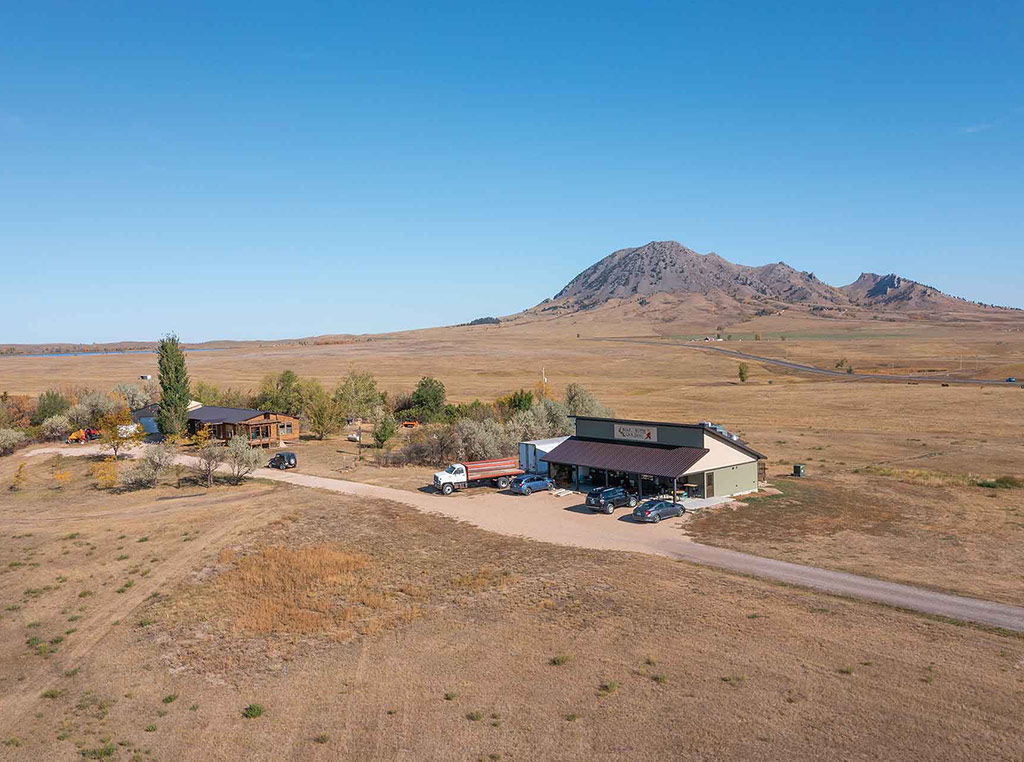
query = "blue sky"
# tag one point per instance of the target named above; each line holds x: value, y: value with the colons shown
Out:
x: 243, y: 170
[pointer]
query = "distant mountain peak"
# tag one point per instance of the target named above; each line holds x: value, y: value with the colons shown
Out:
x: 672, y: 269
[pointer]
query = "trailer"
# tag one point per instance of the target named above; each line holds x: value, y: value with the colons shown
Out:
x: 498, y: 471
x: 530, y: 454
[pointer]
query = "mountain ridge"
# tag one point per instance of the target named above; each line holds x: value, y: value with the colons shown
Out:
x: 669, y: 267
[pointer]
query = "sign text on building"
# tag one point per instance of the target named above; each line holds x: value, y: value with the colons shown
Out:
x: 636, y: 433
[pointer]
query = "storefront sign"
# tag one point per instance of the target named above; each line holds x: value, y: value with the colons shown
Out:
x: 636, y: 433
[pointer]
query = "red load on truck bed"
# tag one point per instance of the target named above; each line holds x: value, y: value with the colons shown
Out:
x: 492, y: 469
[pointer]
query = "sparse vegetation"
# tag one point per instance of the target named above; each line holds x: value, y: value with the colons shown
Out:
x: 252, y: 711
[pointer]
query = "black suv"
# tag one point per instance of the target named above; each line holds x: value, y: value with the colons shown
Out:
x: 283, y: 460
x: 607, y: 499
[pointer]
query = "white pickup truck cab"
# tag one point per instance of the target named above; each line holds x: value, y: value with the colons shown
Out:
x: 460, y: 475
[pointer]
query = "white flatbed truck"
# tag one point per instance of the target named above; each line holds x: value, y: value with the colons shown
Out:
x: 498, y: 471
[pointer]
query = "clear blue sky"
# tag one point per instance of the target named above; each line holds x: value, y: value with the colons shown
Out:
x: 246, y: 169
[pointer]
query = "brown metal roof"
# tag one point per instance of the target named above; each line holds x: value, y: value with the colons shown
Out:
x: 668, y: 462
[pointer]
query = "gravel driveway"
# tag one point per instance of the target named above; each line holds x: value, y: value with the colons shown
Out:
x: 566, y: 521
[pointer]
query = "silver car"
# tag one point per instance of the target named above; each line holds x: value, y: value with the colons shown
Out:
x: 653, y: 511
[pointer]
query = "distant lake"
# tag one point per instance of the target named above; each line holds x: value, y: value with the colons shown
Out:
x: 109, y: 352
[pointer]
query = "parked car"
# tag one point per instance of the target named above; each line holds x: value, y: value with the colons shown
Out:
x: 653, y: 511
x: 607, y: 499
x: 527, y: 484
x: 283, y: 460
x: 1011, y: 380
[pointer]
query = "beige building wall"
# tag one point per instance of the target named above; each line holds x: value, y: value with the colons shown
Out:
x: 720, y: 455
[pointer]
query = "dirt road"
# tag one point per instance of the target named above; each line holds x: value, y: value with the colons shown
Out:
x: 547, y: 518
x: 945, y: 378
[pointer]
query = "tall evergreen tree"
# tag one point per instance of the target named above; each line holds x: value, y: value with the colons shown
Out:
x: 172, y: 416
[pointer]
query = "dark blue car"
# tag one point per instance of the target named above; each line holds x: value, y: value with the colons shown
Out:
x: 527, y: 484
x: 654, y: 511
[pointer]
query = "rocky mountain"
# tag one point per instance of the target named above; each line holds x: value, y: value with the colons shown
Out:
x: 895, y: 291
x: 663, y: 270
x: 669, y: 267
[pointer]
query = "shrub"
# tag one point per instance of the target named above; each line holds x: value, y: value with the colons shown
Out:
x: 148, y: 469
x: 140, y: 475
x: 105, y: 473
x: 253, y: 711
x: 579, y: 401
x: 91, y: 407
x: 209, y: 456
x: 56, y: 427
x: 1001, y: 482
x: 10, y: 439
x: 133, y: 396
x: 18, y: 480
x: 242, y: 458
x: 384, y: 428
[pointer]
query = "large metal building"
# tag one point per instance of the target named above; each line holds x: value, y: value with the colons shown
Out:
x: 653, y: 458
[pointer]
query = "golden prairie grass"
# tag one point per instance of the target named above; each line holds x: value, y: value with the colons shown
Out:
x: 921, y: 476
x: 481, y: 579
x: 306, y: 590
x: 302, y: 589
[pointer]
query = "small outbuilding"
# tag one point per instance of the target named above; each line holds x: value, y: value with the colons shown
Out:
x: 653, y: 458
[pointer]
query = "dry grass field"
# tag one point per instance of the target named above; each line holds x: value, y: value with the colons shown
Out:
x: 849, y: 433
x: 136, y: 622
x: 271, y: 622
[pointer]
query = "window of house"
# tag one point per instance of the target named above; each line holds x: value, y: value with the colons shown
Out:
x: 254, y: 433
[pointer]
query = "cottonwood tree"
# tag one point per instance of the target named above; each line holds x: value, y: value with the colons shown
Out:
x: 119, y: 433
x: 172, y: 414
x: 743, y: 372
x: 323, y: 413
x: 357, y: 394
x: 242, y: 458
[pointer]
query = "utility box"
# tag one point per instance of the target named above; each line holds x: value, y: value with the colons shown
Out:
x: 799, y: 469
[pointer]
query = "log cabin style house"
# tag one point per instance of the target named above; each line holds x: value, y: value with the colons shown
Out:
x: 260, y: 427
